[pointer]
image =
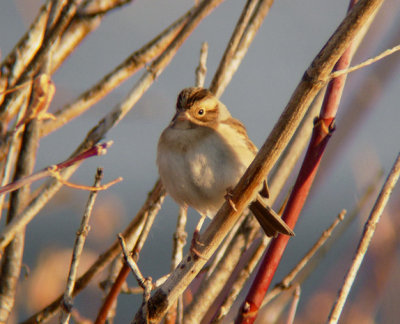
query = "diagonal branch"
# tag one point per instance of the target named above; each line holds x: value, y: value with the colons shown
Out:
x: 366, y: 238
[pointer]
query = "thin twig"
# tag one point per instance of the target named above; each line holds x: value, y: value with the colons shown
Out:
x: 288, y: 279
x: 201, y: 70
x: 26, y: 48
x: 113, y: 79
x: 124, y: 272
x: 369, y: 230
x: 244, y: 274
x: 77, y: 250
x: 180, y: 236
x: 97, y: 150
x: 366, y: 63
x: 179, y: 241
x: 13, y: 253
x: 40, y: 57
x: 101, y: 8
x: 11, y: 151
x: 247, y: 26
x: 293, y: 305
x: 154, y: 199
x: 213, y: 285
x: 131, y: 263
x: 21, y: 220
x: 241, y: 279
x: 221, y: 255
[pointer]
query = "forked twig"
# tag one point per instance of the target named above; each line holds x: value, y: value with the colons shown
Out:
x: 77, y: 251
x: 131, y: 263
x: 53, y: 170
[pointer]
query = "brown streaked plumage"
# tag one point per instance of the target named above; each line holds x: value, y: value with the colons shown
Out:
x: 204, y: 152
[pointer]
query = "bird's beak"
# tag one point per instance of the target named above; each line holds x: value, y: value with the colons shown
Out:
x: 180, y: 116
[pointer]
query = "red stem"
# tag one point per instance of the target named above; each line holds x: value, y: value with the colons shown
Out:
x: 112, y: 295
x: 269, y: 264
x: 323, y: 127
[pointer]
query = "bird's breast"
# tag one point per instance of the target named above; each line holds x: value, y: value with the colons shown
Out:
x: 198, y: 168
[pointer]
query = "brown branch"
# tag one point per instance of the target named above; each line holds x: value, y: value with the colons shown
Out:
x: 77, y: 250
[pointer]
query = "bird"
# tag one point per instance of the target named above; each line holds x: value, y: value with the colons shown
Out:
x: 203, y: 153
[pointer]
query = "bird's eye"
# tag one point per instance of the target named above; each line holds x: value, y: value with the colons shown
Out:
x: 200, y: 112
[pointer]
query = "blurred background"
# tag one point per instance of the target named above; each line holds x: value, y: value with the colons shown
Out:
x: 366, y: 140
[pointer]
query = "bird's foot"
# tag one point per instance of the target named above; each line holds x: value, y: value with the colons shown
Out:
x: 228, y: 196
x: 195, y: 244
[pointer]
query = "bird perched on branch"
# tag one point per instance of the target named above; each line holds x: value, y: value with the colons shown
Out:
x: 203, y: 153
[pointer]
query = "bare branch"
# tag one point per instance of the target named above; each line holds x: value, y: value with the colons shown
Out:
x: 77, y: 250
x: 201, y: 70
x: 369, y: 230
x: 154, y: 199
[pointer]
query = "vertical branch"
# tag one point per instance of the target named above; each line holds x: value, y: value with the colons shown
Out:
x: 77, y: 251
x: 294, y: 304
x: 13, y: 253
x: 179, y: 241
x: 201, y: 70
x: 369, y: 230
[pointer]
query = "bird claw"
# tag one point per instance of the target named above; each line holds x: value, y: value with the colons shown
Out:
x: 195, y: 242
x: 228, y: 197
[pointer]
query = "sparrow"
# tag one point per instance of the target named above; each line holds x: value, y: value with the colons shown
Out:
x: 203, y: 153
